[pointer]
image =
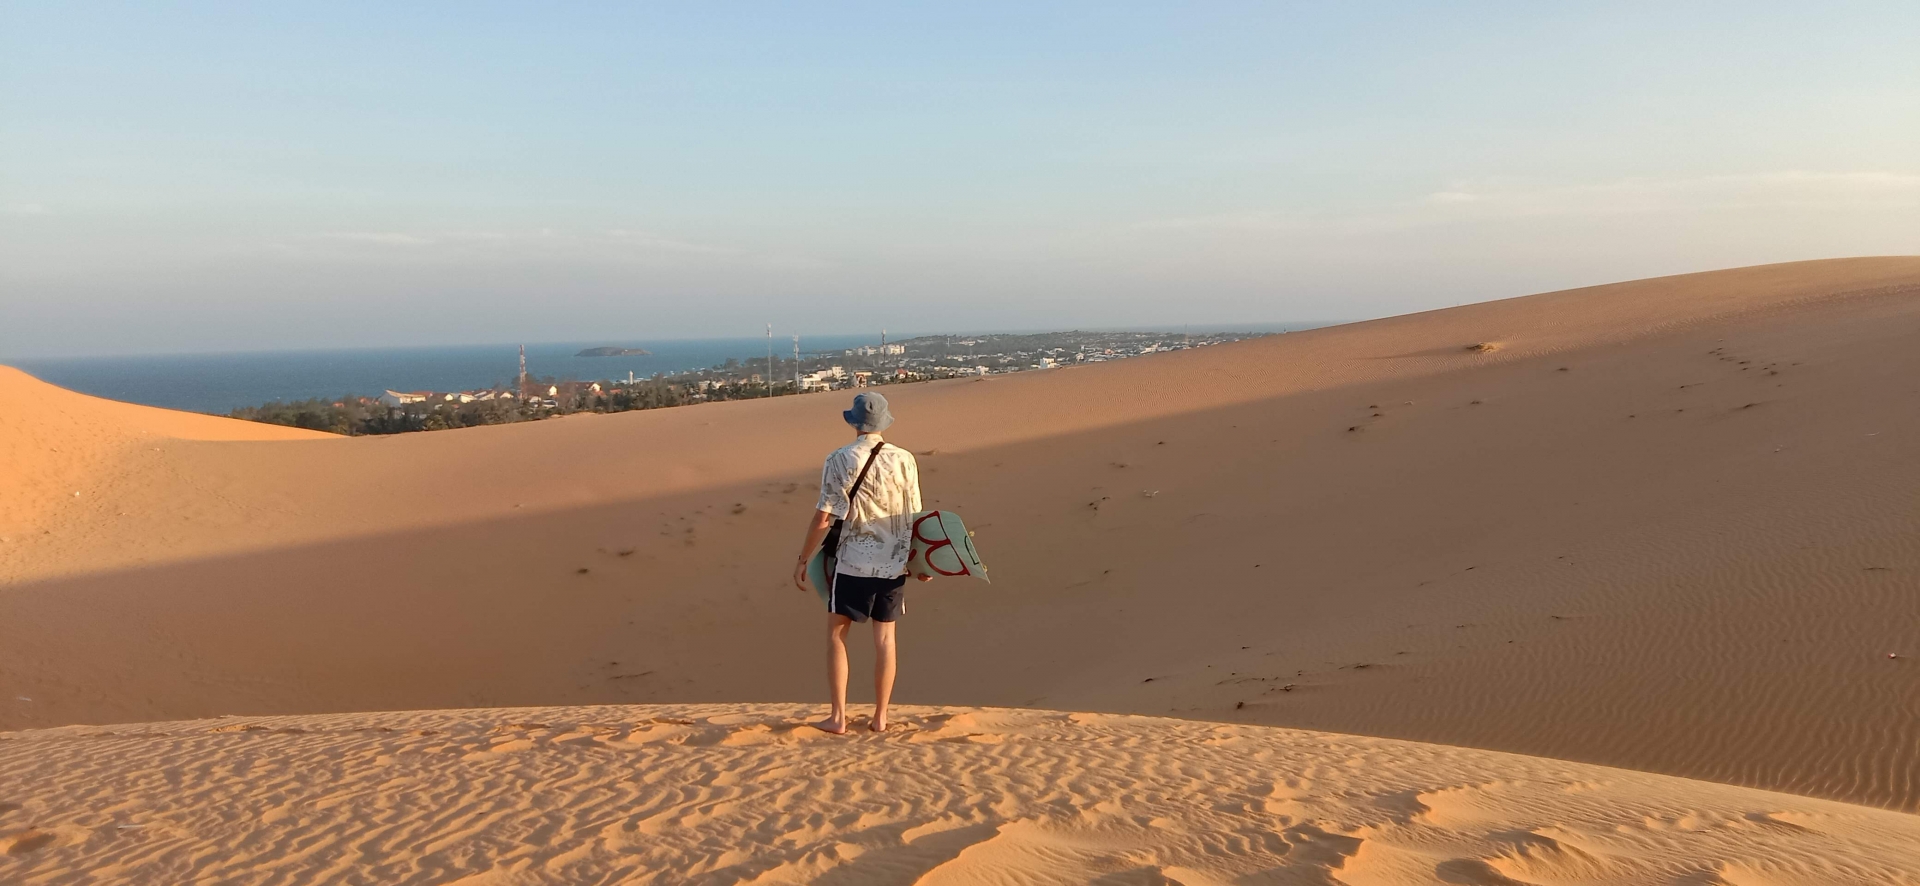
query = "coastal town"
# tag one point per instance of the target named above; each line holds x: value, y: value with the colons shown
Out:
x: 533, y: 396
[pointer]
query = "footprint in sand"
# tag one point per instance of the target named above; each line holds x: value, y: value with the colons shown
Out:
x: 1784, y: 821
x: 260, y: 727
x: 1473, y: 872
x: 27, y: 841
x: 1532, y: 856
x: 1320, y: 848
x: 970, y: 727
x: 726, y: 730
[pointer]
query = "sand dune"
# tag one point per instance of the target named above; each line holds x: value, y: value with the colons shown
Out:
x: 1665, y: 525
x: 67, y: 459
x: 746, y: 794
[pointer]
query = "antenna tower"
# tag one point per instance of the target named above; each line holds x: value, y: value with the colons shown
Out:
x: 796, y: 362
x: 523, y: 371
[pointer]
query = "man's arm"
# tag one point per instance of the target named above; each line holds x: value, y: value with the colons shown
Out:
x: 912, y: 483
x: 816, y: 533
x: 833, y: 503
x: 913, y: 496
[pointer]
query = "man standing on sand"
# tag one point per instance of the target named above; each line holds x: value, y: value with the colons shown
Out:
x: 875, y: 539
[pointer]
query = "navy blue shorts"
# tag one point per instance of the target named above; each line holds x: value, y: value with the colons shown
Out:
x: 860, y: 598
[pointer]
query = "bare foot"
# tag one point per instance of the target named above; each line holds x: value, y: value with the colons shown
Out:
x: 832, y: 725
x: 878, y: 724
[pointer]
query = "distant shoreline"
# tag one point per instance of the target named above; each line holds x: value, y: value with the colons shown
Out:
x: 217, y: 383
x: 921, y: 359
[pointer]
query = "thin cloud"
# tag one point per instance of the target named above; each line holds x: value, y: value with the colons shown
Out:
x: 1240, y: 221
x: 613, y: 245
x: 1796, y: 189
x: 22, y: 209
x: 1493, y: 199
x: 649, y: 240
x: 380, y: 238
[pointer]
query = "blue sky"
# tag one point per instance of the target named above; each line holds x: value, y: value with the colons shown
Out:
x: 250, y: 176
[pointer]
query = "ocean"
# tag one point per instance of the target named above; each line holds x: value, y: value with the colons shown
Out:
x: 220, y: 383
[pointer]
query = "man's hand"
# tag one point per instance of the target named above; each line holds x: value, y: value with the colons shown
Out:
x: 800, y: 575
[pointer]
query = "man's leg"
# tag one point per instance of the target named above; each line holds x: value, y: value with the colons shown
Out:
x: 837, y: 625
x: 883, y: 666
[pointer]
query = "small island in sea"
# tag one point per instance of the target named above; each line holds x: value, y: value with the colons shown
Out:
x: 614, y: 352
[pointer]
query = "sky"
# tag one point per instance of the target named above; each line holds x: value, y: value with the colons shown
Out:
x: 219, y: 177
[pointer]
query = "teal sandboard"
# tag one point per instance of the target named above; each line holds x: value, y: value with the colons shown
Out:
x: 942, y: 546
x: 817, y: 574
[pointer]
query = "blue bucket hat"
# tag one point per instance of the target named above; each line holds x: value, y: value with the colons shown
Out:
x: 869, y: 413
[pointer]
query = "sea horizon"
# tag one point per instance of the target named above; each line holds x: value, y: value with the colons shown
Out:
x: 221, y: 381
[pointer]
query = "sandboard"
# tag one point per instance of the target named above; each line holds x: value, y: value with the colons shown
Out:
x: 817, y: 574
x: 942, y: 546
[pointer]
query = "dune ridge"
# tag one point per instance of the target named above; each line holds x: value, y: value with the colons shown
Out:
x: 1663, y: 525
x: 747, y: 794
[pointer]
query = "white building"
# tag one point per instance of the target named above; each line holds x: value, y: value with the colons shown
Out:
x: 823, y: 380
x: 402, y: 398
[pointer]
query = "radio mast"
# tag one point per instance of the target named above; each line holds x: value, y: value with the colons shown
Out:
x: 523, y: 372
x: 796, y: 362
x: 769, y: 359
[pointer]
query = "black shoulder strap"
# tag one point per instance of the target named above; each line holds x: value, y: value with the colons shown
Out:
x: 855, y: 491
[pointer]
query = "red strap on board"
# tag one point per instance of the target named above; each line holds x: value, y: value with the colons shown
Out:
x: 937, y: 544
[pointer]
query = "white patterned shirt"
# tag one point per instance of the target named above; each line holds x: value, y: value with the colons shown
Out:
x: 878, y: 535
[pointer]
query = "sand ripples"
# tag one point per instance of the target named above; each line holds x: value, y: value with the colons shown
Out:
x: 748, y: 794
